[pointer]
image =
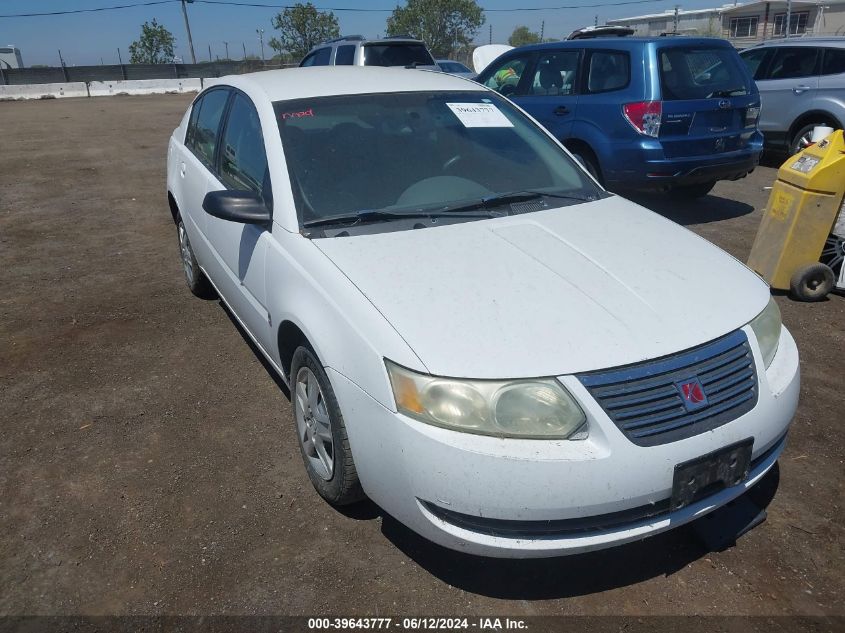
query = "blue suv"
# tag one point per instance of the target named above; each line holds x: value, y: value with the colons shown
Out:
x: 666, y: 113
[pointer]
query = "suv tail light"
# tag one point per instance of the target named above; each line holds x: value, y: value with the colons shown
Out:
x: 644, y: 116
x: 752, y: 113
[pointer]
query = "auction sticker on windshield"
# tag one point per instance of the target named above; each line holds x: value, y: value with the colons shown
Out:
x: 479, y: 115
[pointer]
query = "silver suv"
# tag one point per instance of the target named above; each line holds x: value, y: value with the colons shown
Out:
x: 354, y: 50
x: 802, y: 85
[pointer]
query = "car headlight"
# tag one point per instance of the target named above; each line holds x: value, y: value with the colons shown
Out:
x: 528, y: 409
x: 767, y: 326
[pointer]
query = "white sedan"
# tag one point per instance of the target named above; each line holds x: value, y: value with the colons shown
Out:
x: 501, y: 354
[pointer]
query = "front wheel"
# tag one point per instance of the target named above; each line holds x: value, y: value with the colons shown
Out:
x: 812, y: 282
x: 691, y: 192
x: 321, y: 431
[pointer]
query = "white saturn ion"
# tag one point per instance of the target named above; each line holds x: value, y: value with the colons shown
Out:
x: 501, y: 354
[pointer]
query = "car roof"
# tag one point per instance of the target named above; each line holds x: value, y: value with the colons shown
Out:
x: 802, y: 41
x: 327, y: 81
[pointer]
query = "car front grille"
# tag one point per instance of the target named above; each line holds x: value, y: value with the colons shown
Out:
x: 645, y: 401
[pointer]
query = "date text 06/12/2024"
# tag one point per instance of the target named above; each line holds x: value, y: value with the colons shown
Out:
x: 418, y: 623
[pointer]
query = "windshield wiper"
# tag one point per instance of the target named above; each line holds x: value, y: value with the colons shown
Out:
x: 515, y: 196
x: 742, y: 90
x: 360, y: 217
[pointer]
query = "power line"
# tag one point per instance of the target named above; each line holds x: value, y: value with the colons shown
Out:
x: 69, y: 11
x: 286, y: 6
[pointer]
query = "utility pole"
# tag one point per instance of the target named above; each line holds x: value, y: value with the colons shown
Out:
x: 675, y: 20
x: 188, y: 29
x: 596, y: 20
x: 491, y: 34
x: 209, y: 53
x: 244, y: 45
x: 226, y: 44
x: 542, y: 29
x: 788, y: 17
x: 261, y: 38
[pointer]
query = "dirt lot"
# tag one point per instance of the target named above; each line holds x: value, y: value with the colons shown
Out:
x: 148, y: 459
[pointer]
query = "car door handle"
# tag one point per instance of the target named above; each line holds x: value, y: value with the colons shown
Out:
x: 561, y: 110
x: 182, y: 170
x: 799, y: 89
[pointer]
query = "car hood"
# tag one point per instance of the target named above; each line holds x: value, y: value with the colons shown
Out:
x: 554, y: 292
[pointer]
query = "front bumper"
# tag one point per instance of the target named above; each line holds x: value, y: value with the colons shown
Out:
x: 429, y: 477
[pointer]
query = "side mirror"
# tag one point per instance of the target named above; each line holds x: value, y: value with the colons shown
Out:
x: 246, y: 207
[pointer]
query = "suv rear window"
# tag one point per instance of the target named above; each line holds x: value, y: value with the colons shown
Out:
x: 701, y: 73
x: 397, y: 55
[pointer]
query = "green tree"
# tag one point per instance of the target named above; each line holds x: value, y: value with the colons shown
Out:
x: 522, y: 36
x: 444, y: 25
x: 155, y: 46
x: 301, y: 27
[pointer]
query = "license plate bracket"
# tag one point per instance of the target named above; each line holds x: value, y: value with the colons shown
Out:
x: 705, y: 475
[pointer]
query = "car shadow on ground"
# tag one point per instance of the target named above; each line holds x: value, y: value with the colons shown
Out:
x: 537, y: 579
x: 699, y: 211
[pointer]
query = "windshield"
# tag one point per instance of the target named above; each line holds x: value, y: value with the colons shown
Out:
x: 701, y: 73
x: 397, y: 55
x: 415, y: 151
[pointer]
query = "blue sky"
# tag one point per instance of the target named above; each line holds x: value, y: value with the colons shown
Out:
x: 89, y: 37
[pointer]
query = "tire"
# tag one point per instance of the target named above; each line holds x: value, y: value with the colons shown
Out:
x: 589, y: 163
x: 321, y: 431
x: 812, y: 282
x: 833, y: 254
x: 197, y: 282
x: 801, y: 139
x: 691, y: 192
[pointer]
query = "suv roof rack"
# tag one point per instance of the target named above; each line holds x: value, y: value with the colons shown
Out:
x: 608, y: 30
x: 342, y: 38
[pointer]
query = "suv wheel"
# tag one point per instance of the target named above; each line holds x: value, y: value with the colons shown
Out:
x: 803, y: 137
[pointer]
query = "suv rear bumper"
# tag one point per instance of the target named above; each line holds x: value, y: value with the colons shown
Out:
x: 645, y: 167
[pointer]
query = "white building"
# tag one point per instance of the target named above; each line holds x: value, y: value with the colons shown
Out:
x: 695, y: 22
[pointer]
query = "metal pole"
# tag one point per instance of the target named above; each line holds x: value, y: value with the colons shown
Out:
x: 261, y: 38
x: 209, y: 53
x: 188, y: 29
x: 675, y: 20
x: 122, y: 67
x: 542, y: 29
x: 491, y: 35
x: 226, y: 44
x: 64, y: 69
x: 788, y: 17
x: 244, y: 45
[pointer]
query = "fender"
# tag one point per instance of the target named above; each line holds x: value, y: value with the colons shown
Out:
x: 346, y: 331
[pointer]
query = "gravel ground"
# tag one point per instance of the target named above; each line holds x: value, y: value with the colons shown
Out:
x: 149, y: 464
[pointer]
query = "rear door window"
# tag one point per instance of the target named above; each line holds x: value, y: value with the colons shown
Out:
x: 701, y: 73
x: 202, y: 137
x: 397, y: 55
x: 793, y: 63
x: 556, y: 73
x: 345, y: 55
x: 834, y: 61
x: 608, y: 70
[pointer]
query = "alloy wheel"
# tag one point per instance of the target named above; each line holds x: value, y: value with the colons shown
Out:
x: 313, y: 423
x: 187, y: 257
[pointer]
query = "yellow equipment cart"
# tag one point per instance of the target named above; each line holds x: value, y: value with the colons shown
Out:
x: 800, y: 245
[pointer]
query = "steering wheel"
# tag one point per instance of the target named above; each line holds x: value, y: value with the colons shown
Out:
x: 449, y: 163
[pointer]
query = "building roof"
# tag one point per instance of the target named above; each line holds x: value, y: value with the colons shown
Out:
x: 669, y: 13
x: 776, y: 4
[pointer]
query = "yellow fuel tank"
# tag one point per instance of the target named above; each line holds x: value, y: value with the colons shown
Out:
x: 802, y: 209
